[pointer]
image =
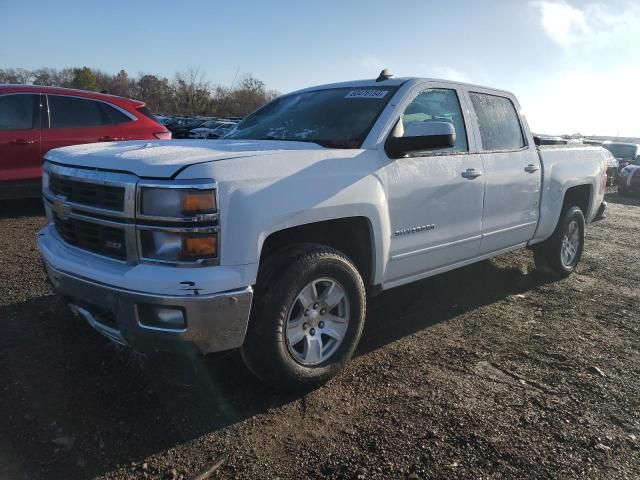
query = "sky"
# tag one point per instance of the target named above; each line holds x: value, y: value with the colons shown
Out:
x: 574, y: 65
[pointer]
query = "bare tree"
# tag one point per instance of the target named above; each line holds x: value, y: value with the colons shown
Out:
x: 192, y: 91
x: 189, y: 93
x: 15, y: 75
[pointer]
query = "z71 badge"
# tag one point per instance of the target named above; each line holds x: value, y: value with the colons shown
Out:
x: 408, y: 231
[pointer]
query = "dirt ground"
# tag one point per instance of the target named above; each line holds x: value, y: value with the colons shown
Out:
x: 491, y: 371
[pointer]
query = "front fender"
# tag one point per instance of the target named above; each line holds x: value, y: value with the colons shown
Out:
x: 263, y: 195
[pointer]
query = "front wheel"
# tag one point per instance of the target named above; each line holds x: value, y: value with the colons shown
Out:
x: 559, y: 255
x: 307, y: 321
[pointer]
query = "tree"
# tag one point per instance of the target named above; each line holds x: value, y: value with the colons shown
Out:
x: 250, y: 96
x: 46, y: 76
x: 156, y: 93
x: 15, y: 75
x: 84, y: 79
x: 189, y: 93
x: 192, y: 92
x: 122, y: 85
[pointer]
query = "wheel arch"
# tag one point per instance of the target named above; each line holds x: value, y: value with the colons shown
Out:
x: 579, y: 194
x: 355, y: 236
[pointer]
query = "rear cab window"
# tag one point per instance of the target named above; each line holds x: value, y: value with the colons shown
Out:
x: 498, y: 122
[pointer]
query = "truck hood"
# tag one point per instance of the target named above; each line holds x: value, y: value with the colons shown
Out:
x: 165, y: 158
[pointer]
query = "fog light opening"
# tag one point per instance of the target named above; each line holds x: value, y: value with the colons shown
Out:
x: 165, y: 318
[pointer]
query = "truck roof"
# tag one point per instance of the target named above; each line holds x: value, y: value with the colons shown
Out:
x: 394, y: 82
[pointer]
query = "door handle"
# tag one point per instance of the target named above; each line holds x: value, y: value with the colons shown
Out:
x: 22, y: 141
x: 471, y: 173
x: 531, y: 168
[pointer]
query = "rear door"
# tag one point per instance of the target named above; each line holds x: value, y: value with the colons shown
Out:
x: 20, y: 157
x: 76, y: 120
x: 512, y: 172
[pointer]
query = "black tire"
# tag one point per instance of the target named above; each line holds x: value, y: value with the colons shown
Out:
x: 548, y: 254
x: 265, y: 350
x: 622, y: 190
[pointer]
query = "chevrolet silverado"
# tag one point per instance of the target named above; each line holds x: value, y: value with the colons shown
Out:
x: 270, y: 240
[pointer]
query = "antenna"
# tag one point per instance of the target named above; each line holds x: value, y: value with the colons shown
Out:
x: 384, y: 75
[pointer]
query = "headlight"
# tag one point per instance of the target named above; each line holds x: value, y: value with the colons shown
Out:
x: 179, y: 246
x: 188, y: 203
x: 177, y: 221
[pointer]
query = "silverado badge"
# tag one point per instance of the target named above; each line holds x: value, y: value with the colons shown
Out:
x: 410, y: 230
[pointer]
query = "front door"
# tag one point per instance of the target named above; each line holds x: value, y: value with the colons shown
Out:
x: 20, y: 158
x: 435, y: 197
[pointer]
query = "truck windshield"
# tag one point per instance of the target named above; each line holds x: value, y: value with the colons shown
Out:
x: 336, y: 118
x: 622, y: 151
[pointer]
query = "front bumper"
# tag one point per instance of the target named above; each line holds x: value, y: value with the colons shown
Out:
x: 213, y: 322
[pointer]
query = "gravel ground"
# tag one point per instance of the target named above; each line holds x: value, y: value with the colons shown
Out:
x: 491, y: 371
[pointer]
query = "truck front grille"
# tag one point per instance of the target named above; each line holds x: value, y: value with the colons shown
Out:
x: 93, y: 237
x: 90, y: 194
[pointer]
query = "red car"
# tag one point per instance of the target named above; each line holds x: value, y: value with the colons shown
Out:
x: 34, y: 119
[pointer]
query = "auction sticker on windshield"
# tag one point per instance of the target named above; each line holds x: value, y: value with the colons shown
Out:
x: 367, y: 94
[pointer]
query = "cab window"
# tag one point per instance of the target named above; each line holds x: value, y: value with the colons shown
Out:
x: 498, y: 122
x: 438, y: 105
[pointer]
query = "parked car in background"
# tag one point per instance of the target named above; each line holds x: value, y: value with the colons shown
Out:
x: 222, y: 130
x: 628, y: 179
x: 164, y: 119
x: 35, y: 119
x: 212, y: 129
x: 625, y: 153
x: 181, y: 127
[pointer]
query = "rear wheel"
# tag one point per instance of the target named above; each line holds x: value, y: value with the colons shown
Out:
x: 306, y: 320
x: 559, y: 255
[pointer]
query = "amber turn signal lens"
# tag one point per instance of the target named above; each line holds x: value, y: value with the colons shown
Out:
x: 199, y: 202
x: 201, y: 246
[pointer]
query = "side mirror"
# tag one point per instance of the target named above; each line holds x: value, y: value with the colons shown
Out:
x: 421, y: 136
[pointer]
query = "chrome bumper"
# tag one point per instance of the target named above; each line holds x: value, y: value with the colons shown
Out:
x: 212, y: 322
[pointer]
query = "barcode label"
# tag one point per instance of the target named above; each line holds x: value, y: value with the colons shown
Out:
x: 367, y: 93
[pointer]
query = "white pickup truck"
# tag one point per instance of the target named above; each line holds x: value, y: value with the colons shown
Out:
x: 271, y: 239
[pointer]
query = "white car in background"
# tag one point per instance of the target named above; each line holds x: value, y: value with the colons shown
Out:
x: 212, y: 129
